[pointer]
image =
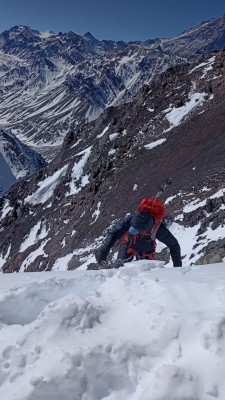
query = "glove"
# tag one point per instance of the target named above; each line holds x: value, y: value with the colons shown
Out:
x: 101, y: 254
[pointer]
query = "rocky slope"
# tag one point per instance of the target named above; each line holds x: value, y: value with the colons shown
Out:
x: 16, y: 160
x: 173, y: 127
x: 52, y: 83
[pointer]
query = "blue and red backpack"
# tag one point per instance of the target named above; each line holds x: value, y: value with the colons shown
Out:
x: 155, y: 208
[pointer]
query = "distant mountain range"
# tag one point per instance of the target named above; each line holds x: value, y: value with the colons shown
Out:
x: 52, y: 83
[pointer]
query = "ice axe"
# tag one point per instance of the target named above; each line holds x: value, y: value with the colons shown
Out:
x: 161, y: 189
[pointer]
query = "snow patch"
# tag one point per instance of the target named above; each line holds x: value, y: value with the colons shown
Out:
x: 154, y: 144
x: 47, y: 187
x: 103, y: 132
x: 4, y: 258
x: 38, y: 232
x: 113, y: 136
x: 77, y: 173
x: 96, y: 213
x: 176, y: 115
x: 207, y: 64
x: 195, y: 204
x: 111, y: 152
x: 6, y: 209
x: 32, y: 256
x: 169, y: 199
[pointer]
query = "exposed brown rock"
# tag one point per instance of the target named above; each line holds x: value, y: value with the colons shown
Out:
x: 192, y: 155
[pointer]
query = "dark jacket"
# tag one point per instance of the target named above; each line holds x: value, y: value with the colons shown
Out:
x: 142, y: 221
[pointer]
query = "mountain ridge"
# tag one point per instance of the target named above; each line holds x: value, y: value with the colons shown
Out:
x: 50, y: 85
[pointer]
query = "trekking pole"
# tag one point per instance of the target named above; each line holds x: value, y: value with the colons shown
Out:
x: 162, y: 188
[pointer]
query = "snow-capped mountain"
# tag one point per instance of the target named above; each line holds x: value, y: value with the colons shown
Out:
x: 174, y: 127
x: 16, y: 160
x: 51, y: 83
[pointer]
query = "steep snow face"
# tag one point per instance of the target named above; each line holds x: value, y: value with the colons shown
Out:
x: 141, y: 332
x: 16, y: 160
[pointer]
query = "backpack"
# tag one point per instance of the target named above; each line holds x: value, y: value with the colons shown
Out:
x: 155, y: 208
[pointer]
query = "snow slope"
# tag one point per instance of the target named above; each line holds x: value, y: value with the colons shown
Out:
x: 141, y: 332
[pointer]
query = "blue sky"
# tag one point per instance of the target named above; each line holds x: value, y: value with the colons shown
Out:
x: 110, y: 19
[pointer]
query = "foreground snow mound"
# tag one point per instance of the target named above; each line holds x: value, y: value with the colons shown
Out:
x: 140, y: 333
